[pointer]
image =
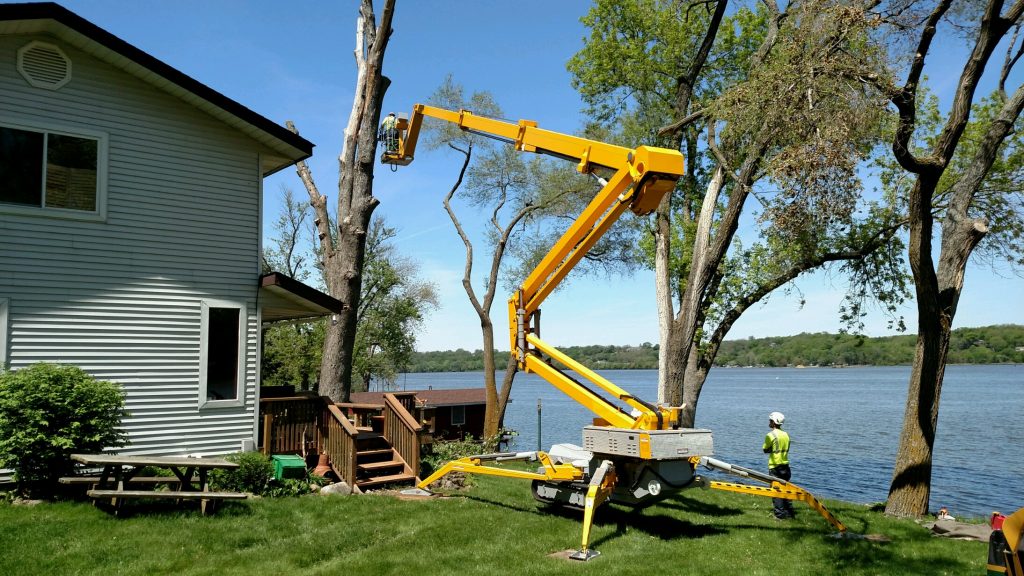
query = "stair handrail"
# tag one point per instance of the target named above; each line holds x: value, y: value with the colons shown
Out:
x: 403, y: 431
x: 340, y: 444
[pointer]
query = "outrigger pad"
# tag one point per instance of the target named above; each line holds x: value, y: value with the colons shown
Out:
x: 584, y: 555
x: 415, y: 492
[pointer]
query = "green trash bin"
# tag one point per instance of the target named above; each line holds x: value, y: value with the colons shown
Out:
x: 288, y: 466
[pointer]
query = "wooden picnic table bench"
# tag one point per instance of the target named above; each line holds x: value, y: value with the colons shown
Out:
x: 191, y: 478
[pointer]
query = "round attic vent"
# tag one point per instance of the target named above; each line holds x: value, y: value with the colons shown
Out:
x: 44, y: 65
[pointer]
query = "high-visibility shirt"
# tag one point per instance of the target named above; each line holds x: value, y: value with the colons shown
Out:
x: 389, y: 123
x: 776, y: 444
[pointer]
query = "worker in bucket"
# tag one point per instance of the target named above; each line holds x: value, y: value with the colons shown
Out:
x: 389, y: 132
x: 776, y: 446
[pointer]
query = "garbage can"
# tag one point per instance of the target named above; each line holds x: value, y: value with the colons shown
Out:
x: 288, y: 466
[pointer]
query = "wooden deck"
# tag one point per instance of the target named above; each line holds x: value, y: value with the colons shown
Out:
x: 368, y: 446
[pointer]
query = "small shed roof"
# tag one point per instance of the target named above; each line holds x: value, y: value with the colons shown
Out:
x: 283, y: 298
x: 431, y: 398
x: 55, y: 20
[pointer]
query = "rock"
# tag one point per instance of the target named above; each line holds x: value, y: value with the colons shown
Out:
x: 340, y: 488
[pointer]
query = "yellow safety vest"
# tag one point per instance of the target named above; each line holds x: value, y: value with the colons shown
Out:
x: 776, y: 444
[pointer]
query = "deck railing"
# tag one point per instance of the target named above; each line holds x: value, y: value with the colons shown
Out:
x: 339, y: 441
x: 403, y: 431
x: 362, y: 415
x: 290, y: 425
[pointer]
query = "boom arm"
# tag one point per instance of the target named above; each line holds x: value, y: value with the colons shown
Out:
x: 642, y: 176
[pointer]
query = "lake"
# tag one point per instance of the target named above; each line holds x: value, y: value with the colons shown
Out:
x: 844, y: 423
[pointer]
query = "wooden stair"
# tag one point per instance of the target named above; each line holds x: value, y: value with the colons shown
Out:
x: 378, y: 464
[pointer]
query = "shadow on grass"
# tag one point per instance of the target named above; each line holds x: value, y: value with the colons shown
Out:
x: 657, y: 525
x: 698, y: 506
x: 167, y: 509
x: 865, y: 556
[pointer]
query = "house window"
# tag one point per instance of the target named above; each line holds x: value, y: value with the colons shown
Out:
x: 222, y: 354
x: 56, y: 172
x: 458, y: 415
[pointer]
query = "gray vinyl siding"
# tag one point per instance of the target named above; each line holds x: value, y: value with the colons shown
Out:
x: 121, y: 297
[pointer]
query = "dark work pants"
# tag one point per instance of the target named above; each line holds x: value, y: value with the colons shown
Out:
x: 780, y: 506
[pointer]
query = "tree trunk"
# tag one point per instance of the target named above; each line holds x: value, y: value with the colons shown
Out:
x: 506, y: 389
x: 911, y: 481
x: 343, y: 257
x: 492, y: 418
x: 938, y: 295
x: 695, y: 376
x: 663, y: 292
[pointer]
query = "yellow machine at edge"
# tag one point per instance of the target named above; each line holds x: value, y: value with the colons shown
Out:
x: 632, y: 457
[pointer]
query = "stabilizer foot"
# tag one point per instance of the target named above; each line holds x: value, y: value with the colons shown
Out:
x: 416, y: 492
x: 584, y: 555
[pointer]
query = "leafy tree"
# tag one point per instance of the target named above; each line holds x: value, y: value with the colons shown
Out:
x: 768, y: 86
x: 292, y: 353
x: 962, y: 178
x: 501, y: 184
x: 392, y: 304
x: 47, y: 413
x: 392, y: 307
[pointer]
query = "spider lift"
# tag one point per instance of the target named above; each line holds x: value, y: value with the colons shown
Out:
x: 632, y: 457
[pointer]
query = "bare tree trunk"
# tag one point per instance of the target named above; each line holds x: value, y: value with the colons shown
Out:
x: 663, y: 292
x: 343, y: 250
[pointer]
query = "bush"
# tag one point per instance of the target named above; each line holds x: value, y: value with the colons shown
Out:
x: 48, y: 412
x: 254, y: 473
x: 443, y: 451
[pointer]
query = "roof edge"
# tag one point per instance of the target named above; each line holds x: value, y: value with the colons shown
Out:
x: 65, y: 17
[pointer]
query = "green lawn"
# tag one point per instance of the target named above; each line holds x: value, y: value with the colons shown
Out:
x: 494, y: 528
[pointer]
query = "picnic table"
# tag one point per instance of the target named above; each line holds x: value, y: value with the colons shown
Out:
x: 190, y: 480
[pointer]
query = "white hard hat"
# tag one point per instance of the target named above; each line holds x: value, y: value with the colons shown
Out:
x: 777, y: 418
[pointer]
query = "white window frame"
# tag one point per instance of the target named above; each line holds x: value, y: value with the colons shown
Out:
x: 102, y: 145
x: 204, y: 354
x: 462, y: 421
x: 5, y: 305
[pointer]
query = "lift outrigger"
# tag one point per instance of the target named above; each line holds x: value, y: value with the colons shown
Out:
x: 634, y: 457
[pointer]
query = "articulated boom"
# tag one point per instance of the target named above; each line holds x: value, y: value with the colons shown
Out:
x: 630, y: 457
x: 642, y: 176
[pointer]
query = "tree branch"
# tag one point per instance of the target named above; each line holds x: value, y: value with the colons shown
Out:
x: 789, y: 274
x: 467, y: 274
x: 1011, y: 60
x: 317, y: 201
x: 675, y: 127
x: 906, y: 99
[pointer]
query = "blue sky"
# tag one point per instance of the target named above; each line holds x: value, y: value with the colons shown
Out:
x: 293, y: 61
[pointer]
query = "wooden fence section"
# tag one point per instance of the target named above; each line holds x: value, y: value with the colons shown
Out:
x: 291, y: 425
x: 403, y: 432
x: 339, y: 441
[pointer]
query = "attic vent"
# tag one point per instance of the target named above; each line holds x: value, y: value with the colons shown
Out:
x: 44, y: 65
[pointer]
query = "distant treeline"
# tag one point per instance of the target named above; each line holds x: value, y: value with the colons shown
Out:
x: 988, y: 345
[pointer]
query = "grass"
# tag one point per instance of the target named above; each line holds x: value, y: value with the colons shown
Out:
x: 493, y: 528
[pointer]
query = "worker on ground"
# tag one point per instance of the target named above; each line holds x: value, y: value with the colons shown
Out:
x: 776, y: 446
x: 389, y: 132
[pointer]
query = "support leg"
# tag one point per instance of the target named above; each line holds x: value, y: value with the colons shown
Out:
x: 601, y: 485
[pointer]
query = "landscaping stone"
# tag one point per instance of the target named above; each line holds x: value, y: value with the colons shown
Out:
x: 340, y: 488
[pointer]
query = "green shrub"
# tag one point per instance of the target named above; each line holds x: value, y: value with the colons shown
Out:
x: 48, y: 412
x: 254, y: 473
x: 443, y: 451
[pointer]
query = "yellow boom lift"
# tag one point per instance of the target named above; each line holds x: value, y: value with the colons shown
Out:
x: 632, y: 457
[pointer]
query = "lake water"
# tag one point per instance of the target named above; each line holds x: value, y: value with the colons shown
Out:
x: 844, y: 423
